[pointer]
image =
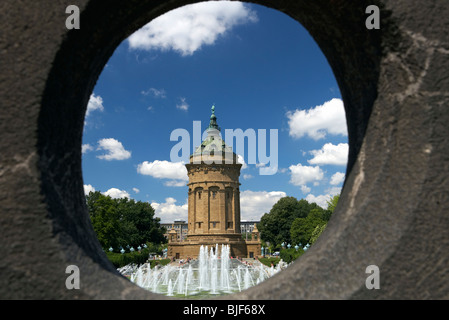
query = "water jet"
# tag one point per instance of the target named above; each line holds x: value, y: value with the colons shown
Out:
x: 213, y: 273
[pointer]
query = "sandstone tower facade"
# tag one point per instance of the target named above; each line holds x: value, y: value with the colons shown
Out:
x: 213, y: 200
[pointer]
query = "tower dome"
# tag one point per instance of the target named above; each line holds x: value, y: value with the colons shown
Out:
x: 213, y: 149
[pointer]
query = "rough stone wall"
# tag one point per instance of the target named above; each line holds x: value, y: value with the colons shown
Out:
x: 393, y: 211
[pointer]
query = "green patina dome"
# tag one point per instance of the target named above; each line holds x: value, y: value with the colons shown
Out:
x: 213, y: 143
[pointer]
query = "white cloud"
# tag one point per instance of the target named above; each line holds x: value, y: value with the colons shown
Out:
x: 175, y: 183
x: 117, y: 193
x: 253, y: 204
x: 241, y: 160
x: 176, y: 172
x: 247, y: 176
x: 328, y: 118
x: 337, y: 178
x: 320, y: 200
x: 157, y: 93
x: 183, y: 106
x: 86, y: 148
x: 115, y: 150
x: 136, y: 190
x: 332, y: 191
x: 330, y: 154
x: 187, y: 29
x: 169, y: 211
x: 305, y: 189
x: 301, y: 175
x: 95, y: 103
x: 88, y: 188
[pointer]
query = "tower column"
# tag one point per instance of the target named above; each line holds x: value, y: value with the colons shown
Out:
x: 206, y: 210
x: 236, y: 213
x: 222, y: 205
x: 190, y: 213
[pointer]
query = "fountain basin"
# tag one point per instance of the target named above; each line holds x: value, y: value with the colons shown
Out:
x: 213, y: 273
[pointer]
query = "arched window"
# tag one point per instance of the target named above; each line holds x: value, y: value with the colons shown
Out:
x: 199, y: 191
x: 213, y: 192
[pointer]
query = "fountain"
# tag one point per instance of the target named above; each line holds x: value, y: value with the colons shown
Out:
x: 210, y: 275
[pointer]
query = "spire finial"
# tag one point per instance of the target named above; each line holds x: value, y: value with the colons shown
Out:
x: 213, y: 120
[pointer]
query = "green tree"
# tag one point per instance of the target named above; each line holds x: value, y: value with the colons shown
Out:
x: 317, y: 232
x: 332, y: 203
x: 307, y: 230
x: 105, y: 219
x: 302, y: 228
x: 267, y: 228
x: 138, y: 222
x: 122, y: 222
x: 275, y: 226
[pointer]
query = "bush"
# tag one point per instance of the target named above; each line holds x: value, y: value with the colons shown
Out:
x: 288, y: 255
x: 119, y: 260
x: 154, y: 248
x: 122, y: 259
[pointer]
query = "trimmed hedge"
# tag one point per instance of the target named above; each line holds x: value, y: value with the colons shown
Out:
x: 137, y: 257
x: 122, y: 259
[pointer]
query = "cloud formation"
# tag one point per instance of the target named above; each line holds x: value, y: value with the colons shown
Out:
x: 186, y: 29
x: 241, y: 160
x: 176, y: 172
x: 301, y: 175
x: 95, y: 103
x: 85, y: 148
x: 337, y: 178
x: 117, y: 193
x: 168, y: 211
x: 318, y: 122
x: 88, y: 188
x: 253, y: 204
x: 330, y: 154
x: 183, y: 105
x: 114, y: 148
x: 157, y: 93
x: 322, y: 199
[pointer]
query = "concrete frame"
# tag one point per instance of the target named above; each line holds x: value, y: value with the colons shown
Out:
x: 393, y: 211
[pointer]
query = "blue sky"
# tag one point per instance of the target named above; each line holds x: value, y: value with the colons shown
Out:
x: 261, y: 70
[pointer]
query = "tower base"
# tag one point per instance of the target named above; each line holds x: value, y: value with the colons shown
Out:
x: 190, y: 248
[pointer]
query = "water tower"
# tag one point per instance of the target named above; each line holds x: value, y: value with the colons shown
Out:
x: 213, y: 199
